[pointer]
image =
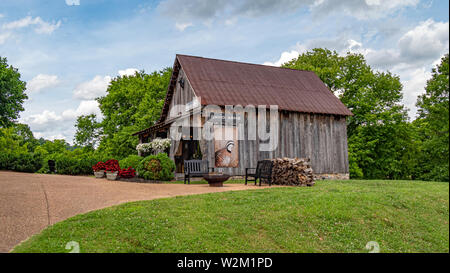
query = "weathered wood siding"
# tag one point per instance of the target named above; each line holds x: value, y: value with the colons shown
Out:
x: 181, y: 96
x: 322, y: 138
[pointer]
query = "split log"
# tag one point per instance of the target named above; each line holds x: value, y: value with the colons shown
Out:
x: 292, y: 171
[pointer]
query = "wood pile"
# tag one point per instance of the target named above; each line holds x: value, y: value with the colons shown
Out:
x: 292, y: 171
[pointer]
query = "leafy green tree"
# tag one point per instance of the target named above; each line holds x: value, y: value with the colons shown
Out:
x: 88, y: 131
x: 132, y: 103
x: 25, y: 135
x: 379, y: 132
x: 12, y: 93
x: 56, y: 146
x: 433, y: 124
x: 11, y: 143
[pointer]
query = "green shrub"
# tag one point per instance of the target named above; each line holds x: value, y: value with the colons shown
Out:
x: 156, y: 167
x: 23, y: 162
x: 130, y: 161
x: 65, y: 164
x: 72, y: 162
x: 6, y: 161
x: 355, y: 171
x: 45, y: 168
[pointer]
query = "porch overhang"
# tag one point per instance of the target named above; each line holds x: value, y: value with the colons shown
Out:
x: 153, y: 129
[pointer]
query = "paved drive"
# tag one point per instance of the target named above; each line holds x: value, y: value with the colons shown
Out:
x: 31, y: 202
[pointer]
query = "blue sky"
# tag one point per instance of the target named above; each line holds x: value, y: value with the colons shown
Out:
x: 68, y: 50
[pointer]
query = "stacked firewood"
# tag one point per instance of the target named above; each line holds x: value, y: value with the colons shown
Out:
x: 292, y: 171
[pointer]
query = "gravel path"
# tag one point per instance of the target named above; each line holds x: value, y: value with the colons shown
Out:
x: 31, y: 202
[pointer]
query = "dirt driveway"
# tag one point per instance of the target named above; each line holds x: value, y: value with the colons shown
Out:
x: 31, y: 202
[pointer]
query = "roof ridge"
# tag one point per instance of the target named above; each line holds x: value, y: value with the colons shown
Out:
x: 229, y: 61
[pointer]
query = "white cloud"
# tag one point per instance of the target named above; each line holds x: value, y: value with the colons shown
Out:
x: 426, y: 41
x: 97, y: 86
x: 92, y: 89
x: 417, y: 51
x: 85, y: 107
x: 362, y: 10
x: 41, y: 26
x: 73, y: 2
x: 414, y: 83
x: 128, y: 72
x: 42, y: 81
x: 51, y: 125
x: 41, y: 122
x: 188, y: 12
x: 57, y: 136
x: 45, y: 117
x: 285, y: 57
x: 416, y: 48
x: 231, y: 21
x: 4, y: 37
x: 182, y: 26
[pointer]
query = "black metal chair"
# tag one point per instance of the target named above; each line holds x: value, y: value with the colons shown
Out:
x: 195, y: 168
x: 263, y: 170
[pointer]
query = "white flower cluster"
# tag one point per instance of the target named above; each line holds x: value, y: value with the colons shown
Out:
x: 144, y: 147
x: 158, y: 145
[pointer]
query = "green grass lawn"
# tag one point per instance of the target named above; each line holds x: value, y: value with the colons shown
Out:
x: 333, y: 216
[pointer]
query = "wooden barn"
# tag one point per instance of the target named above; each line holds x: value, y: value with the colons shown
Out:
x: 311, y: 119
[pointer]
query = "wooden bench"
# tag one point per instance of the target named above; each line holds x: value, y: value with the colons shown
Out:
x: 195, y: 168
x: 263, y: 170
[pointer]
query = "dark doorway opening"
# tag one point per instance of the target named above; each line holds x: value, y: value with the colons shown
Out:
x: 188, y: 149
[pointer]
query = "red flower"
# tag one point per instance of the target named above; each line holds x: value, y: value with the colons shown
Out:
x: 112, y: 165
x: 127, y: 173
x: 99, y: 166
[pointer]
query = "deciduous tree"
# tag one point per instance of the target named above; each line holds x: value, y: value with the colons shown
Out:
x: 132, y: 103
x: 12, y: 93
x: 433, y: 124
x: 379, y: 132
x: 88, y: 131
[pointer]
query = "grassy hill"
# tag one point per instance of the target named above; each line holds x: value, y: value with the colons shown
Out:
x: 333, y: 216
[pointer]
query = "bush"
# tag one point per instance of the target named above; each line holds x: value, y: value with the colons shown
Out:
x: 355, y: 171
x: 130, y: 161
x: 23, y: 162
x: 72, y: 163
x: 156, y: 167
x: 6, y: 161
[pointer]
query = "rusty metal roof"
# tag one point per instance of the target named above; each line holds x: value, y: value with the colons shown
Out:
x: 222, y: 82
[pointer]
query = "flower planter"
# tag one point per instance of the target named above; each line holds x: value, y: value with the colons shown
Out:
x: 111, y: 175
x: 99, y: 174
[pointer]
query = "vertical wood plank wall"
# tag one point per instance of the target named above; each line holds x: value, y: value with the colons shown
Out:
x: 322, y: 138
x: 181, y: 96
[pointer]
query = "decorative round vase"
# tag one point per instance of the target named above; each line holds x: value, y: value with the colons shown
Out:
x: 99, y: 174
x: 111, y: 175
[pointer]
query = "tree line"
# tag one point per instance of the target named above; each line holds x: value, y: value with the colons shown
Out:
x: 383, y: 142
